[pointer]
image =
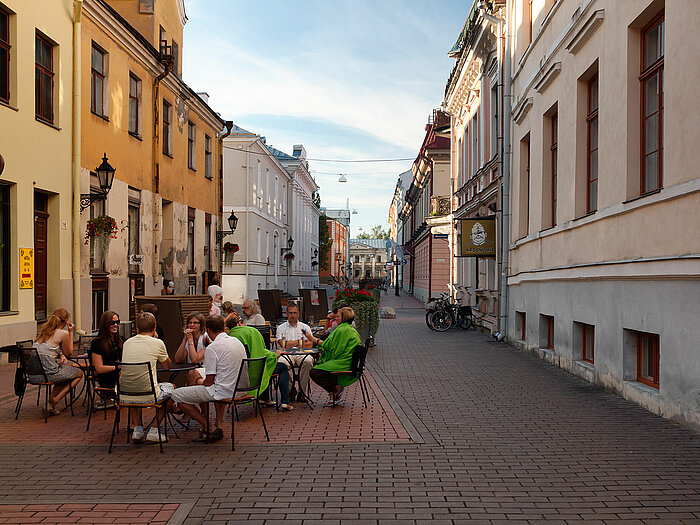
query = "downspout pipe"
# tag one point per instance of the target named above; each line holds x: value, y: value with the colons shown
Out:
x: 228, y: 125
x: 76, y: 154
x: 168, y: 64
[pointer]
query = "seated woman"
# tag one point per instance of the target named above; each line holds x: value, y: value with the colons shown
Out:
x: 191, y: 349
x: 106, y: 350
x: 227, y: 309
x: 55, y: 346
x: 337, y: 356
x: 255, y: 343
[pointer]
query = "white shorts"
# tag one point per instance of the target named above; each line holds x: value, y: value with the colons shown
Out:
x: 193, y: 395
x: 166, y: 390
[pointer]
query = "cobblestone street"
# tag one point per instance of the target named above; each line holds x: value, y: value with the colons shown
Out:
x: 478, y: 432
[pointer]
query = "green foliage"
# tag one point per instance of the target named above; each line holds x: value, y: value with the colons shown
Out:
x: 377, y: 232
x: 324, y: 242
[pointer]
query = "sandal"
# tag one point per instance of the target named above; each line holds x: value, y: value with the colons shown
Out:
x: 203, y: 437
x: 287, y: 408
x: 267, y: 403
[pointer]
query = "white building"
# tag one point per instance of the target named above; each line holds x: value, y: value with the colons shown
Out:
x: 256, y: 189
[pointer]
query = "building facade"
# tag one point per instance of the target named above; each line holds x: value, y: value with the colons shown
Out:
x: 368, y: 259
x: 335, y: 270
x: 36, y: 128
x: 256, y: 190
x: 604, y: 252
x: 427, y: 196
x: 163, y: 140
x: 473, y: 98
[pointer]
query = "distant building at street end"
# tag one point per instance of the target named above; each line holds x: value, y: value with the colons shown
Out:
x: 604, y: 271
x: 335, y: 270
x: 368, y: 259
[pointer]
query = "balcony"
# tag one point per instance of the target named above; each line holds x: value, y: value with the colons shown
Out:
x: 439, y: 205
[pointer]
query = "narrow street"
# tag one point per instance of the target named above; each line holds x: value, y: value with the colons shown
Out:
x: 494, y: 434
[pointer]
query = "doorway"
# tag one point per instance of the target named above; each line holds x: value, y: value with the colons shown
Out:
x: 41, y: 227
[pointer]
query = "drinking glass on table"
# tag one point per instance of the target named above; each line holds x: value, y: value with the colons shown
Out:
x: 311, y: 321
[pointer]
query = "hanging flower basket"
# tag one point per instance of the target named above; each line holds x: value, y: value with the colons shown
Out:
x: 289, y: 256
x: 229, y: 249
x: 99, y: 233
x: 314, y: 263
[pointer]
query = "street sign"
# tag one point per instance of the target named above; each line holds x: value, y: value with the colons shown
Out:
x: 26, y: 268
x: 404, y: 261
x: 136, y: 260
x: 439, y: 236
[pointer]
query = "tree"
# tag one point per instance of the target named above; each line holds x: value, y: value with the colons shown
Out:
x: 324, y: 242
x: 377, y: 232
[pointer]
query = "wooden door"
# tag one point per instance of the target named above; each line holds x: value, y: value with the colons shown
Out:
x: 41, y: 219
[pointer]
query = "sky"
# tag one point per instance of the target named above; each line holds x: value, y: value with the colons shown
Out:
x: 349, y: 79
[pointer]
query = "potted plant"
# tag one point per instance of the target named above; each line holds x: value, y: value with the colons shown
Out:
x: 365, y: 305
x: 100, y: 231
x: 229, y: 249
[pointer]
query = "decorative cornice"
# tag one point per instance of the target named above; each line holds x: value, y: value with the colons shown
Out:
x: 548, y: 77
x: 521, y: 110
x: 181, y: 12
x: 585, y: 33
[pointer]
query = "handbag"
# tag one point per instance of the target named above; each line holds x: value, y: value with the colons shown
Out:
x: 20, y: 382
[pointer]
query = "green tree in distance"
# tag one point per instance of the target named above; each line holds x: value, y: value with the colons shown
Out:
x: 377, y: 232
x: 324, y: 242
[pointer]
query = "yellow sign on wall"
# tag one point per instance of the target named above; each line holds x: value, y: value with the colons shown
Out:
x: 478, y: 237
x: 26, y: 268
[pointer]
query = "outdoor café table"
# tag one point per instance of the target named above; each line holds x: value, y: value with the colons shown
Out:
x: 83, y: 362
x: 174, y: 370
x: 313, y: 354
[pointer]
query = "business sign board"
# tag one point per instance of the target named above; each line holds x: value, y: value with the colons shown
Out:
x: 26, y: 268
x: 478, y: 237
x: 439, y: 236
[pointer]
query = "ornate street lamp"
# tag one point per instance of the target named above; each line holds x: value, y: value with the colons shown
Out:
x: 232, y: 223
x: 290, y: 244
x: 105, y: 178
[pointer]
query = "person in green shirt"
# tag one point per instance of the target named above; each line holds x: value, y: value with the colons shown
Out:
x: 337, y: 354
x: 253, y: 340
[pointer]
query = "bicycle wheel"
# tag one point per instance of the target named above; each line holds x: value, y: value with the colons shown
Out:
x: 441, y: 320
x: 466, y: 322
x: 427, y: 319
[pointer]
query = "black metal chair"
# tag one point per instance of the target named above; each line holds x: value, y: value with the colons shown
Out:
x: 266, y: 332
x: 249, y: 379
x: 150, y: 399
x: 357, y: 368
x: 93, y: 390
x: 30, y: 363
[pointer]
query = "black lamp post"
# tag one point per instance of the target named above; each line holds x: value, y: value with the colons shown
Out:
x: 105, y: 178
x: 290, y: 244
x: 232, y: 223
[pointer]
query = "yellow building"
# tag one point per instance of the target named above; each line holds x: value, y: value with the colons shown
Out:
x: 35, y: 149
x: 164, y: 142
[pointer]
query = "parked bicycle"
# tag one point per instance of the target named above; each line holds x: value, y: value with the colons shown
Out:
x: 443, y: 314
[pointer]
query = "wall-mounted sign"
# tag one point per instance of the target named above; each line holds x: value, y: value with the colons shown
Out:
x: 314, y: 297
x: 26, y: 268
x: 135, y: 259
x: 439, y: 236
x: 2, y: 164
x: 478, y: 237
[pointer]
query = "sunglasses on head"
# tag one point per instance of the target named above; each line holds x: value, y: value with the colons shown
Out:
x: 114, y: 323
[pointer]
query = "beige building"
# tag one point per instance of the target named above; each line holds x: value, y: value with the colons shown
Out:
x: 604, y: 246
x: 368, y: 259
x: 36, y: 46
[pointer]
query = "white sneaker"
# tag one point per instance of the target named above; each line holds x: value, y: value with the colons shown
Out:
x: 152, y: 436
x: 137, y: 436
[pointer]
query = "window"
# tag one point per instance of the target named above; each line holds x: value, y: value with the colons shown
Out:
x: 134, y: 229
x: 5, y: 56
x: 357, y: 258
x: 190, y: 239
x: 176, y: 52
x: 207, y: 157
x: 547, y: 332
x: 207, y: 241
x: 493, y: 106
x: 43, y: 99
x: 652, y: 83
x: 134, y: 105
x: 163, y: 45
x: 648, y: 359
x: 530, y: 22
x: 592, y: 155
x: 475, y: 145
x: 5, y: 247
x: 554, y: 124
x: 191, y: 146
x: 97, y: 209
x: 97, y: 83
x: 524, y: 211
x: 587, y: 342
x: 521, y: 323
x: 167, y: 128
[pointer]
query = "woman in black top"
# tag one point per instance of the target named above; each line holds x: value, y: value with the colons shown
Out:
x: 106, y: 349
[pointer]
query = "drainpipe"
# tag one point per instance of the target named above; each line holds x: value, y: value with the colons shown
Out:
x: 247, y: 217
x: 77, y: 32
x: 228, y: 125
x: 505, y: 162
x: 168, y: 64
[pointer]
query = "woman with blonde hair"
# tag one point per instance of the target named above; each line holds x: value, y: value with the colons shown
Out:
x: 191, y: 349
x: 54, y: 345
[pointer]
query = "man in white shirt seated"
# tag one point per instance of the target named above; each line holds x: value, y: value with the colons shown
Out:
x: 141, y: 348
x: 290, y: 335
x: 222, y: 362
x: 251, y: 314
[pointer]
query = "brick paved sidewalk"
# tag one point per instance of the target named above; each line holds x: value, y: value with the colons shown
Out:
x: 496, y: 435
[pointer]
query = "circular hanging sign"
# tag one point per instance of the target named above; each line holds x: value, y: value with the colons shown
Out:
x: 2, y: 164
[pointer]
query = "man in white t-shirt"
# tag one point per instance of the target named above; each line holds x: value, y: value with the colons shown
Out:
x: 216, y: 292
x: 141, y: 348
x: 222, y: 362
x: 290, y: 335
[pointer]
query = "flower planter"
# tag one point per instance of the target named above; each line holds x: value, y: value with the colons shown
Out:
x: 365, y: 305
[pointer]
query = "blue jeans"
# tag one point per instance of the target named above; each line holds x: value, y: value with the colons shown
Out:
x: 283, y: 372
